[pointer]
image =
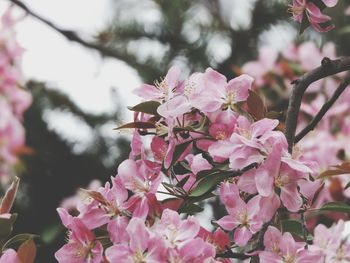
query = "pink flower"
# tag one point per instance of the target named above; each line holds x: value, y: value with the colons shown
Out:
x: 82, y: 245
x: 176, y: 231
x: 142, y: 246
x: 282, y: 248
x: 10, y: 256
x: 283, y: 174
x: 142, y: 177
x: 217, y: 93
x: 244, y: 146
x: 244, y: 217
x: 108, y: 205
x: 330, y: 243
x: 161, y: 90
x: 313, y: 13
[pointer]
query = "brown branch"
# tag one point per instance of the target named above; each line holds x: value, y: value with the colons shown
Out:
x: 318, y: 117
x: 72, y: 36
x: 329, y: 67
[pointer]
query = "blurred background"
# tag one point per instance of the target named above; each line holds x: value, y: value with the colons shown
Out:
x: 80, y: 94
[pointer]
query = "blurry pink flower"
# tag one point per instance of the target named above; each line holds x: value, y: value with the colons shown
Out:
x: 347, y: 11
x: 313, y: 13
x: 266, y: 62
x: 282, y: 248
x: 10, y: 256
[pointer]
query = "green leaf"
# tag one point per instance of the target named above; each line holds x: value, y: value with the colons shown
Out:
x: 149, y: 107
x: 304, y: 24
x: 191, y: 209
x: 336, y: 207
x: 137, y: 125
x: 6, y: 226
x: 347, y: 186
x: 183, y: 181
x: 17, y: 240
x: 179, y: 150
x: 294, y: 227
x: 207, y: 184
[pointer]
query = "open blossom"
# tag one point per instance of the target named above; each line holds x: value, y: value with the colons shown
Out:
x: 243, y: 217
x: 143, y: 246
x: 160, y: 90
x: 142, y: 177
x: 215, y: 93
x: 330, y: 243
x: 283, y: 249
x: 82, y: 245
x: 244, y: 146
x: 313, y: 13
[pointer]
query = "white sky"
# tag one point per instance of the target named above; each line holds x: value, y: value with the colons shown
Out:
x: 80, y: 72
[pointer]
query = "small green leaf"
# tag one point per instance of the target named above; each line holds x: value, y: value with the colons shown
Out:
x: 179, y: 150
x: 336, y: 207
x: 149, y: 107
x: 6, y: 225
x: 137, y: 125
x: 191, y: 209
x: 183, y: 181
x: 294, y: 227
x: 304, y: 24
x: 17, y: 240
x: 207, y: 184
x: 347, y: 186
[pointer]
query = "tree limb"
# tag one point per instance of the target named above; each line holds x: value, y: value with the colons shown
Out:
x: 318, y: 117
x: 72, y: 36
x: 329, y: 67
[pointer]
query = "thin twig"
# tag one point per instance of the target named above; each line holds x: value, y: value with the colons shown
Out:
x: 318, y: 117
x: 72, y: 36
x: 329, y: 67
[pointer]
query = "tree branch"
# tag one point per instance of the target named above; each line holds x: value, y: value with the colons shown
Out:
x: 318, y: 117
x: 72, y: 36
x: 329, y: 67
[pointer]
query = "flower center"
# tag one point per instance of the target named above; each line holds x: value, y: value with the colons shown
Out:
x: 138, y: 257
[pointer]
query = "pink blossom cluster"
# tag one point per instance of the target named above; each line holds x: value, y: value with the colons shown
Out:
x: 13, y: 99
x: 205, y: 142
x: 312, y: 12
x: 274, y: 71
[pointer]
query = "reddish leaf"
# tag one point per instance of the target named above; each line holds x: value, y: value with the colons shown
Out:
x: 256, y: 106
x: 96, y: 196
x: 10, y: 195
x: 137, y: 125
x: 27, y: 251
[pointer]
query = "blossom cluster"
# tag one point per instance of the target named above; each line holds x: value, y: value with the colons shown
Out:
x: 311, y: 11
x: 274, y: 71
x: 13, y: 99
x: 208, y: 137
